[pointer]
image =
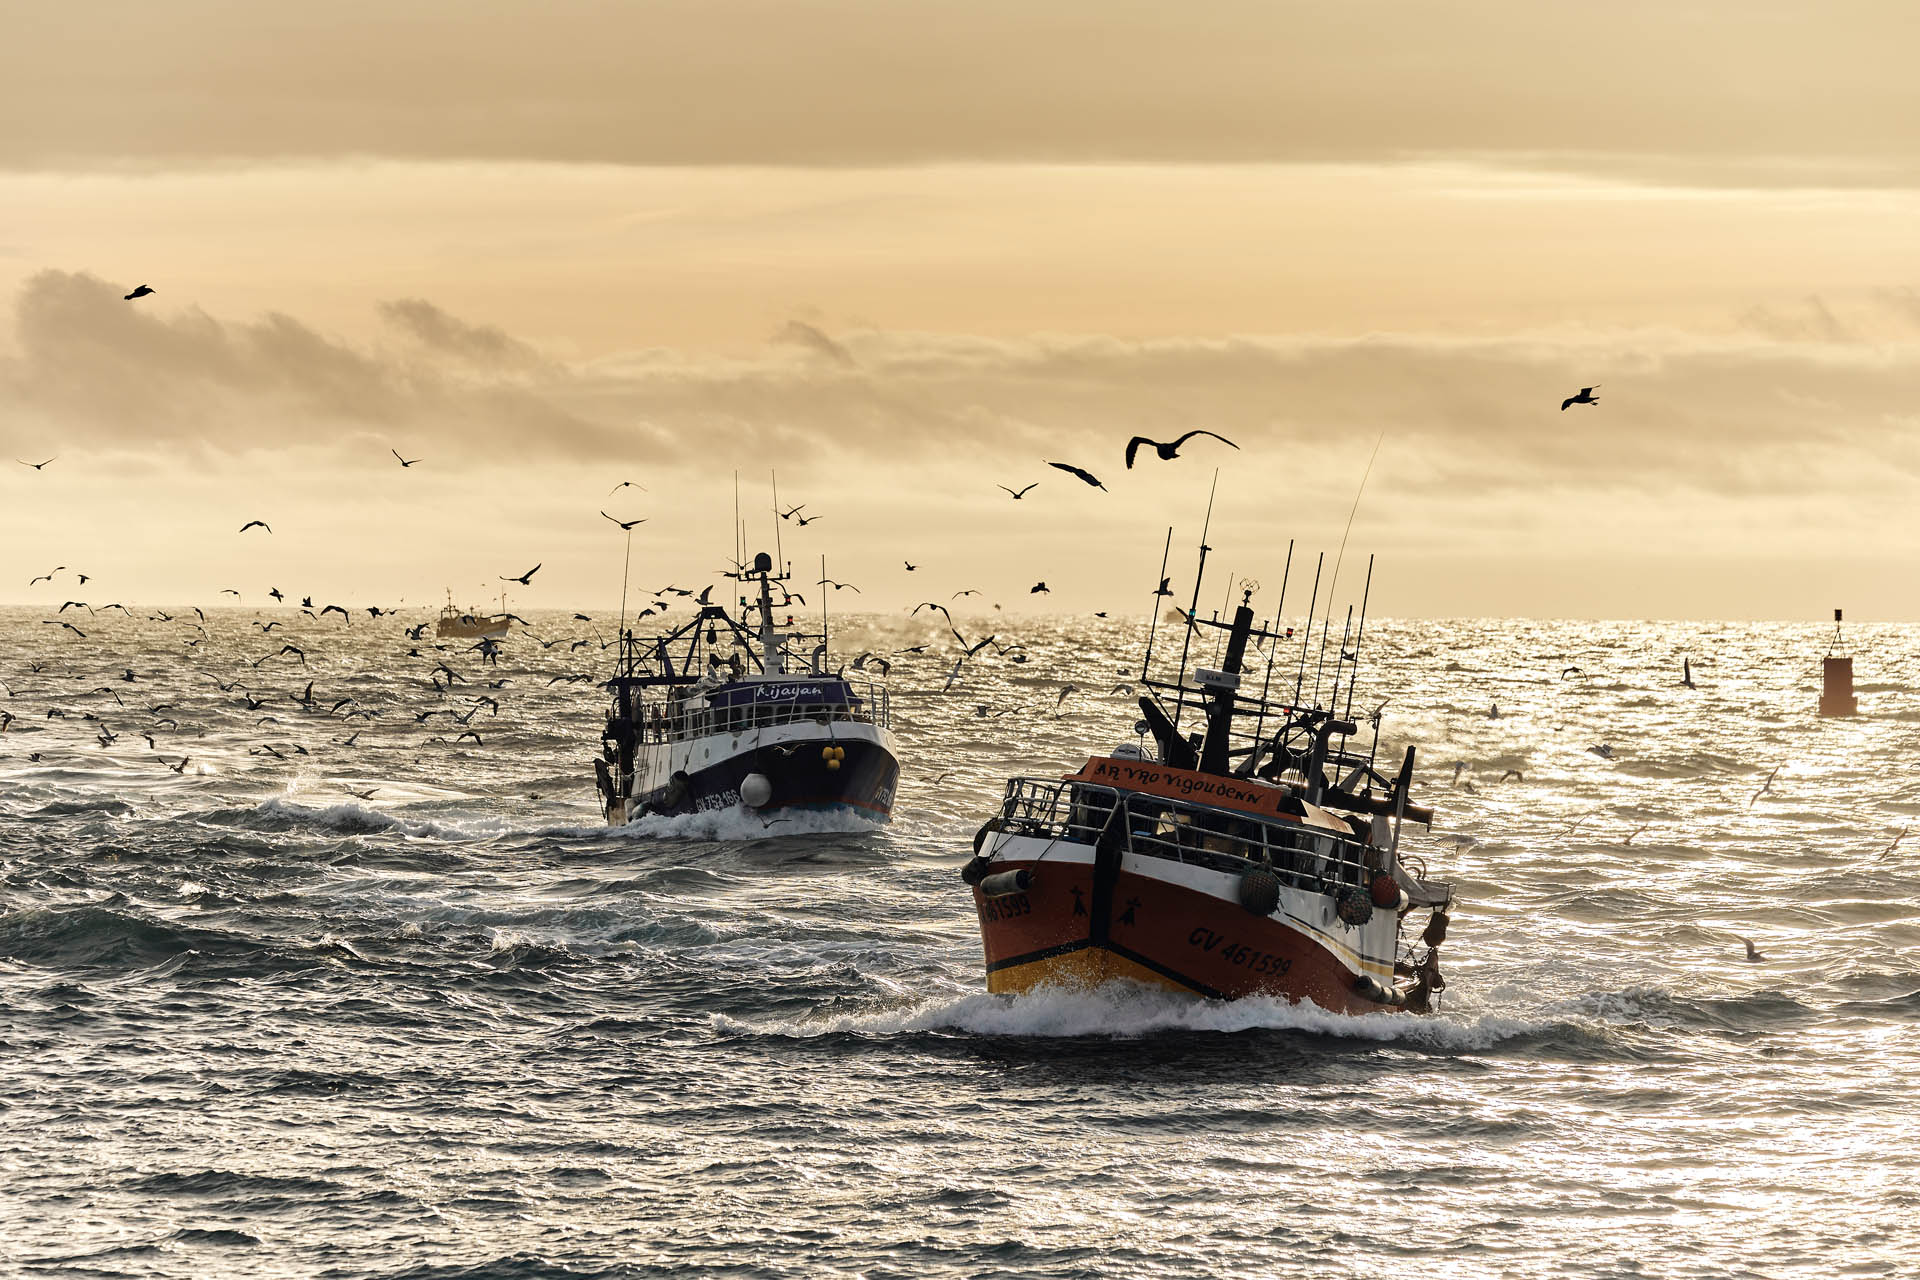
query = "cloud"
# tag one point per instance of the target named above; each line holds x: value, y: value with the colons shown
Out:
x: 1789, y: 409
x: 801, y: 334
x: 448, y: 335
x: 867, y: 82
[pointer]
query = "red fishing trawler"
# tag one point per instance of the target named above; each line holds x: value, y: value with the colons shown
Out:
x: 1256, y: 855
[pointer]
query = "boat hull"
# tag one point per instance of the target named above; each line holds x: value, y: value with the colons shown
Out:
x: 1174, y: 926
x: 860, y: 777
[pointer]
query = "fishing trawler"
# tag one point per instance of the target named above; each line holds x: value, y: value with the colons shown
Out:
x: 473, y: 624
x: 717, y: 714
x: 1256, y: 854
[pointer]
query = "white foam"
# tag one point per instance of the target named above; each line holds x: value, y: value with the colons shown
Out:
x: 1122, y: 1010
x: 740, y: 824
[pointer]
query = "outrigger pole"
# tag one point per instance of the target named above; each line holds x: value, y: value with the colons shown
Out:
x: 1194, y: 610
x: 1153, y: 617
x: 1273, y: 654
x: 1354, y: 675
x: 1300, y: 676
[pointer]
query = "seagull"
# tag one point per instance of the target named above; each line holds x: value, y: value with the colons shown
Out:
x: 1515, y: 774
x: 1168, y: 452
x: 140, y: 292
x: 525, y: 579
x: 791, y: 512
x: 1604, y: 751
x: 182, y: 766
x: 624, y: 524
x: 1018, y: 493
x: 1039, y: 587
x: 954, y: 674
x: 1895, y: 845
x: 359, y: 795
x: 403, y: 461
x: 1072, y: 470
x: 46, y: 577
x: 256, y: 523
x: 1586, y: 396
x: 37, y: 465
x: 1765, y: 787
x: 626, y: 484
x: 1754, y: 956
x: 1571, y: 671
x: 1686, y: 673
x: 1064, y: 691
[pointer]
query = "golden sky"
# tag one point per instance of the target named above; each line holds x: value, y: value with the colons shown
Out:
x: 907, y: 252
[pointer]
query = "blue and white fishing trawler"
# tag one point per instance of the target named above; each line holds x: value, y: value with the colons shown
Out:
x: 720, y: 714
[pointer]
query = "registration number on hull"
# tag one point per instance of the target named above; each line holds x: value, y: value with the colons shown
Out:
x: 1014, y: 904
x: 1238, y: 953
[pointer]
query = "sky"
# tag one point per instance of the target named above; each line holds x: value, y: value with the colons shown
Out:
x: 900, y: 253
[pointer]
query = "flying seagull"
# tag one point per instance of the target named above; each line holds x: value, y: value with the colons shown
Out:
x: 1018, y: 493
x: 403, y: 461
x: 526, y: 579
x: 141, y: 292
x: 625, y: 524
x: 1039, y: 587
x: 1168, y: 452
x: 1686, y: 673
x: 1072, y: 470
x: 1754, y: 955
x: 626, y: 484
x: 1765, y: 787
x: 1586, y: 396
x: 37, y: 465
x: 261, y: 524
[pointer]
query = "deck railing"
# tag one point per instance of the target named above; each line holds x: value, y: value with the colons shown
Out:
x: 1308, y: 858
x: 689, y: 716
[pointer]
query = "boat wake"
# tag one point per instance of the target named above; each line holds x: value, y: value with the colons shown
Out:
x: 1125, y: 1011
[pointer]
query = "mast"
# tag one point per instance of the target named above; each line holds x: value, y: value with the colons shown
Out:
x: 779, y: 553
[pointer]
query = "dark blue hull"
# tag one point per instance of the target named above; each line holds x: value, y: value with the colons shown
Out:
x: 863, y: 784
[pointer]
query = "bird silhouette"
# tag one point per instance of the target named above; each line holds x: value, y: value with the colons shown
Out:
x: 1168, y: 452
x: 1686, y: 673
x: 140, y: 292
x: 1754, y: 955
x: 37, y: 465
x: 404, y: 462
x: 1072, y: 470
x: 911, y: 566
x: 626, y: 524
x: 1586, y: 396
x: 525, y: 579
x: 626, y: 484
x: 1039, y: 588
x: 1018, y: 493
x: 256, y: 524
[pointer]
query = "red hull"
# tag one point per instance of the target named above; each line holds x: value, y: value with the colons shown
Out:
x: 1158, y: 933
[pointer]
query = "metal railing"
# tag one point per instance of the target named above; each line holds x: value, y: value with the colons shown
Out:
x: 689, y: 717
x: 1307, y: 858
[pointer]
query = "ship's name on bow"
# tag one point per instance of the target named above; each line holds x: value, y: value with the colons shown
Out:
x: 1198, y: 786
